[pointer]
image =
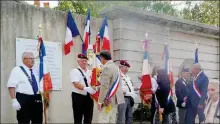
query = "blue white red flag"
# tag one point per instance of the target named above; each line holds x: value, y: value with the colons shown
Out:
x: 196, y: 60
x: 146, y: 87
x: 168, y: 68
x: 71, y: 31
x: 86, y: 36
x: 104, y: 35
x: 44, y: 74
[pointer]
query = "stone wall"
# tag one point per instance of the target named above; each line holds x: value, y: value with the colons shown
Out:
x: 22, y: 20
x: 127, y: 27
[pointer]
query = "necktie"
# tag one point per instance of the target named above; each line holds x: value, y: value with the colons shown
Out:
x: 34, y: 83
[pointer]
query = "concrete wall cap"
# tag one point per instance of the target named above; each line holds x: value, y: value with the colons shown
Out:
x: 161, y: 19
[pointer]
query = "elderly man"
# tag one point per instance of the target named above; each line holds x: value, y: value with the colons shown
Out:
x: 212, y: 112
x: 23, y: 87
x: 110, y: 90
x: 82, y: 103
x: 198, y: 94
x: 182, y: 93
x: 125, y: 109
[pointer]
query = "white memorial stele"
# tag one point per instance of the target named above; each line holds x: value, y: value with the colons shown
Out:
x: 53, y: 59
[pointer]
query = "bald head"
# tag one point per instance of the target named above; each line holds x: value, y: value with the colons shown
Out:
x: 196, y: 68
x: 28, y: 59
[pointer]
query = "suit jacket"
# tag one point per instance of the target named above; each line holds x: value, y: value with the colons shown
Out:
x: 182, y: 91
x: 107, y: 78
x: 202, y: 84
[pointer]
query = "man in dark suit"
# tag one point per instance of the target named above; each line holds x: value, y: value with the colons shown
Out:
x: 182, y: 93
x: 198, y: 94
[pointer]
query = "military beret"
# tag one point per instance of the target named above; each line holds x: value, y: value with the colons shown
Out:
x: 81, y: 56
x: 123, y: 62
x: 185, y: 69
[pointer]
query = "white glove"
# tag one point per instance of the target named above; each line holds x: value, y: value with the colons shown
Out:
x: 89, y: 90
x: 15, y: 104
x: 183, y: 104
x: 130, y: 94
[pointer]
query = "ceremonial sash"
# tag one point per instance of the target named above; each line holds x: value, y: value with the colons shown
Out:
x: 184, y: 82
x: 114, y: 87
x: 196, y: 89
x: 156, y: 101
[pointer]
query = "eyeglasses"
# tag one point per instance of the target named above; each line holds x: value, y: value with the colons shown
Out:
x: 30, y: 58
x: 211, y: 89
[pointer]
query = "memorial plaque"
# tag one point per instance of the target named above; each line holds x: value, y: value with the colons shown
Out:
x: 53, y: 58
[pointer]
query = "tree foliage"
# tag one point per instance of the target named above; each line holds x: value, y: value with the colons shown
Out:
x: 81, y: 7
x: 206, y: 12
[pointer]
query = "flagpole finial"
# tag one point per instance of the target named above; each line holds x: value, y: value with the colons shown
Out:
x: 40, y: 29
x: 146, y: 34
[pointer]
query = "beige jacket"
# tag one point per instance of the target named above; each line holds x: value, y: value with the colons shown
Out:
x: 107, y: 78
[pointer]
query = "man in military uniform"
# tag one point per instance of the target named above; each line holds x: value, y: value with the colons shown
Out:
x: 82, y: 103
x: 24, y: 88
x: 109, y: 77
x: 182, y: 93
x: 125, y: 109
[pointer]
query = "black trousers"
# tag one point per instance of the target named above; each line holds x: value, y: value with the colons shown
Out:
x: 82, y: 107
x: 153, y: 108
x: 31, y: 108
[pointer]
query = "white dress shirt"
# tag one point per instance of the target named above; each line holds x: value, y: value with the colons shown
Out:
x: 154, y: 83
x: 197, y: 75
x: 76, y: 76
x: 20, y: 82
x: 127, y: 85
x: 210, y: 114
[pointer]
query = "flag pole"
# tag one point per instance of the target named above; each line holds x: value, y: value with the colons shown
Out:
x: 45, y: 113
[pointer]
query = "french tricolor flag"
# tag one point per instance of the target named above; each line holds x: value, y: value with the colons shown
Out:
x: 145, y: 88
x: 87, y: 33
x: 104, y: 35
x: 196, y: 60
x: 44, y: 74
x: 71, y: 31
x: 96, y: 71
x: 168, y: 68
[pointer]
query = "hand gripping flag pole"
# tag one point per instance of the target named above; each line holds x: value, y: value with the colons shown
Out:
x: 44, y: 75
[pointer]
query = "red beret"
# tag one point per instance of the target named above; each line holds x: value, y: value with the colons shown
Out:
x: 81, y: 56
x: 123, y: 62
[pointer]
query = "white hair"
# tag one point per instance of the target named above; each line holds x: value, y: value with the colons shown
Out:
x: 26, y: 54
x: 197, y: 65
x: 214, y: 82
